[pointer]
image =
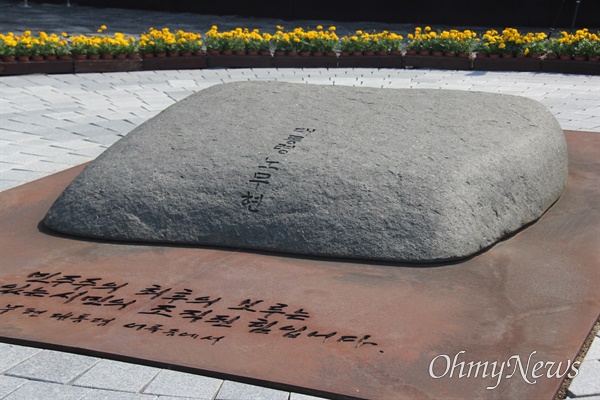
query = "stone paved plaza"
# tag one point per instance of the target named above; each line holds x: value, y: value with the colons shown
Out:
x: 49, y: 123
x: 52, y: 122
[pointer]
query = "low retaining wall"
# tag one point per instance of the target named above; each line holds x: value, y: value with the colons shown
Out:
x: 251, y: 61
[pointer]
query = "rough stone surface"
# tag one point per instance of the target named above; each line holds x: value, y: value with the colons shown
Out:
x: 400, y: 175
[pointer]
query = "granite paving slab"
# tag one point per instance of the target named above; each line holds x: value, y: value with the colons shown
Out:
x: 118, y: 376
x: 9, y: 384
x: 172, y: 383
x: 12, y: 356
x: 33, y: 390
x: 319, y: 326
x: 590, y: 371
x: 43, y: 366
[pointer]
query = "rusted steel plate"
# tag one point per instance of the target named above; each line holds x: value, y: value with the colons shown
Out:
x: 322, y: 326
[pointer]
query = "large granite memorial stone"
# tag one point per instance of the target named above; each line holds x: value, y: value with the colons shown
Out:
x: 388, y: 174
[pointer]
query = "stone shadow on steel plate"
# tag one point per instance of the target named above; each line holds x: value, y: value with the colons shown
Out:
x: 42, y: 228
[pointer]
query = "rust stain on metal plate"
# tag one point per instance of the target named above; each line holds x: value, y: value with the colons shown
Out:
x: 322, y: 326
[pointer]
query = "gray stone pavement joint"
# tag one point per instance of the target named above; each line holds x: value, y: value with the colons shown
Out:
x: 117, y: 376
x: 43, y: 367
x: 171, y: 383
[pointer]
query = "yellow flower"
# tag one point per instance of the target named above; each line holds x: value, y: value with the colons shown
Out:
x: 319, y: 27
x: 332, y: 28
x: 103, y: 27
x: 427, y: 28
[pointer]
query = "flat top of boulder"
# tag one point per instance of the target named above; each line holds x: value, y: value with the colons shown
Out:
x: 402, y: 175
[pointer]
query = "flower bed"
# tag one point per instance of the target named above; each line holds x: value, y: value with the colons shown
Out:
x: 512, y: 44
x: 449, y: 43
x: 289, y: 48
x: 374, y: 43
x: 317, y: 42
x: 163, y: 42
x: 238, y: 41
x: 581, y: 45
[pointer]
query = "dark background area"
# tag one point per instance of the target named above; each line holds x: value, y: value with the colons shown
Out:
x: 505, y: 13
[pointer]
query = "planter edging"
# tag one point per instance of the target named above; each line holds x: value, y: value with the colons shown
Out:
x: 262, y: 61
x: 437, y: 62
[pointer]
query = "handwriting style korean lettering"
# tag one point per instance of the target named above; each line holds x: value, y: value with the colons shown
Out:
x: 277, y: 309
x: 61, y: 317
x: 102, y: 321
x: 69, y: 296
x: 182, y: 295
x: 65, y: 280
x: 204, y: 300
x: 13, y: 289
x: 32, y: 312
x: 262, y: 325
x: 163, y: 310
x: 37, y: 292
x: 154, y: 292
x: 260, y: 177
x: 251, y: 201
x: 222, y: 321
x: 87, y: 282
x: 246, y: 305
x: 305, y: 130
x: 195, y: 315
x: 9, y: 308
x: 298, y: 315
x: 41, y: 277
x: 215, y: 339
x: 209, y: 313
x: 269, y: 164
x: 322, y: 335
x: 293, y: 332
x: 80, y: 318
x: 111, y: 287
x: 284, y: 148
